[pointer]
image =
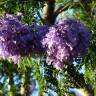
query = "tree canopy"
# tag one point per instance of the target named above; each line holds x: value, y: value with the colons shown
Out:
x: 47, y: 47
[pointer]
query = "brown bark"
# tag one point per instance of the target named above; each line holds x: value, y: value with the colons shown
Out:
x: 25, y: 83
x: 22, y: 88
x: 49, y: 16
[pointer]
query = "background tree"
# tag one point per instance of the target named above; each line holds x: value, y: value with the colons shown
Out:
x: 22, y: 79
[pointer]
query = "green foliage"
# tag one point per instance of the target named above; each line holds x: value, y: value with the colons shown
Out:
x: 28, y: 8
x: 36, y: 68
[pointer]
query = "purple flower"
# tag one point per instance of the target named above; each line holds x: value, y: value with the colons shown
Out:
x: 62, y: 42
x: 67, y: 39
x: 17, y: 39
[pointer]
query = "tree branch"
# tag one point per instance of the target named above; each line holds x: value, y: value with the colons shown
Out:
x: 63, y: 7
x: 79, y: 79
x: 81, y: 3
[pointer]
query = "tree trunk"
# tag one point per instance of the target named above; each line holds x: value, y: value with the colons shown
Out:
x: 22, y: 88
x: 25, y: 83
x: 49, y: 16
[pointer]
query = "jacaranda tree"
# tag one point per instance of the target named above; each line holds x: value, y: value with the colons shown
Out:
x: 47, y: 47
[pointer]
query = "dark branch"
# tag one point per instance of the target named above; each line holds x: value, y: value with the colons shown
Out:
x: 76, y: 76
x: 79, y: 80
x: 85, y: 4
x: 63, y: 7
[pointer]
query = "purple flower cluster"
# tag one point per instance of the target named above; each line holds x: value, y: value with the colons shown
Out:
x: 17, y: 39
x: 67, y: 39
x: 62, y: 42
